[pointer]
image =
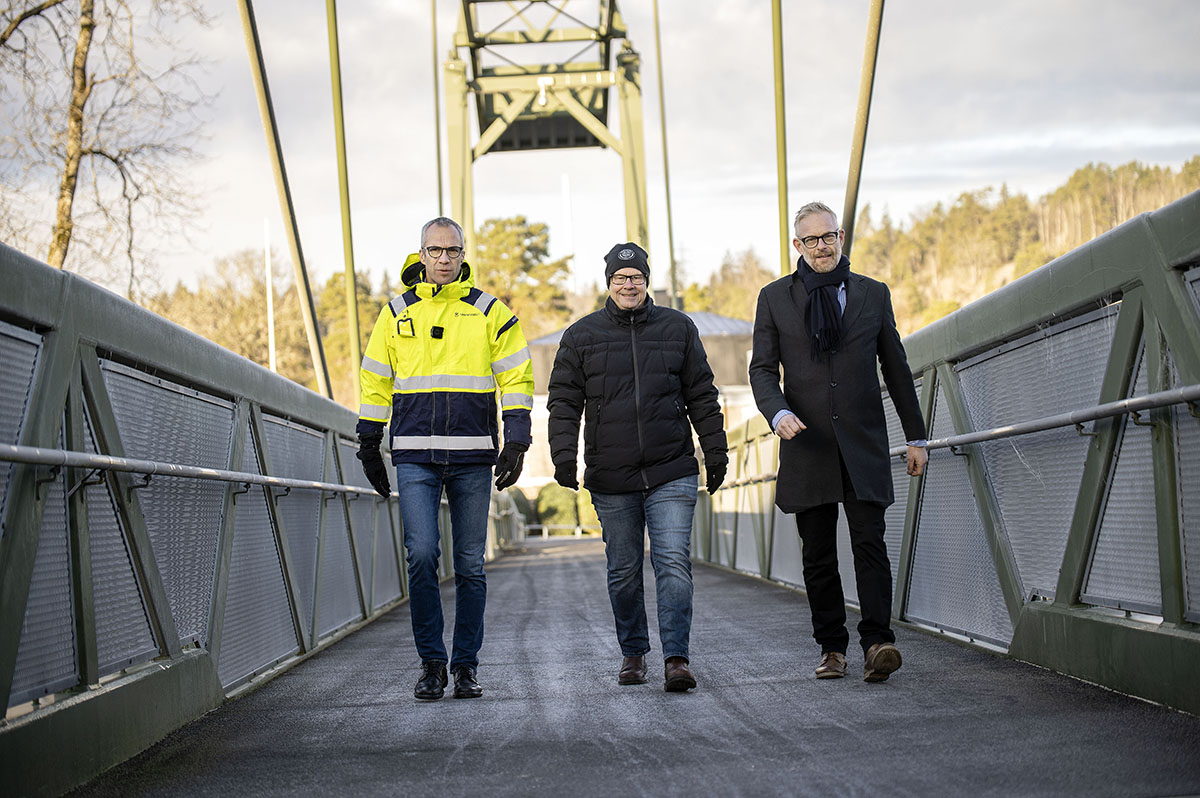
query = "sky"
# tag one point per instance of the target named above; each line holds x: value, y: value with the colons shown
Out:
x: 967, y: 96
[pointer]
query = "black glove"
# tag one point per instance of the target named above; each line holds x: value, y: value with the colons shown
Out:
x: 565, y: 475
x: 716, y: 475
x: 372, y: 463
x: 508, y: 464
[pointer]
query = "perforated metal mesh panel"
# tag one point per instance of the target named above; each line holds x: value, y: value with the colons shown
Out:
x: 1124, y: 570
x: 338, y: 596
x: 1187, y: 452
x: 1035, y: 478
x: 724, y: 514
x: 786, y: 565
x: 18, y: 354
x: 846, y: 559
x: 394, y: 511
x: 1187, y: 448
x: 893, y: 517
x: 46, y: 653
x: 758, y: 506
x: 159, y: 420
x: 258, y: 629
x: 748, y: 534
x: 953, y: 584
x: 387, y: 577
x: 362, y: 514
x: 447, y: 543
x: 123, y: 634
x: 299, y: 453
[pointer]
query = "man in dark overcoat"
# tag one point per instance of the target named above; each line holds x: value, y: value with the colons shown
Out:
x: 826, y: 327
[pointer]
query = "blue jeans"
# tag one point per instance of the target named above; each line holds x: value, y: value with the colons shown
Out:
x: 469, y: 491
x: 667, y: 512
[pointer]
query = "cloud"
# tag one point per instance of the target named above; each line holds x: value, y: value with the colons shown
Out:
x: 966, y: 96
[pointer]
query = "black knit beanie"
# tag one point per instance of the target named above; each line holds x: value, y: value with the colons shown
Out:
x: 624, y: 256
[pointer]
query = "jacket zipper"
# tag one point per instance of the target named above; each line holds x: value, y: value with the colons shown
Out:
x: 637, y: 403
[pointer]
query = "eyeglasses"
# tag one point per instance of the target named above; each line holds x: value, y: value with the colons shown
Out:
x: 436, y: 252
x: 636, y: 279
x: 829, y: 238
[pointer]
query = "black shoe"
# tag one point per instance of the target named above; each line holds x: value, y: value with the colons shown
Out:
x: 633, y: 670
x: 679, y: 677
x: 432, y: 683
x: 465, y: 685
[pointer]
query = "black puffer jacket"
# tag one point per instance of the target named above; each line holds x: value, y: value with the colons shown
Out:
x: 636, y: 377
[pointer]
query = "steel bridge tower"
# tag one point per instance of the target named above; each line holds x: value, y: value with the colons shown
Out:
x: 527, y: 99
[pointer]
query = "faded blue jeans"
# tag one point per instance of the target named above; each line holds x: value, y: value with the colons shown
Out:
x: 666, y: 511
x: 469, y: 492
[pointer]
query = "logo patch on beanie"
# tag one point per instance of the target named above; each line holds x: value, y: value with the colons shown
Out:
x: 625, y: 254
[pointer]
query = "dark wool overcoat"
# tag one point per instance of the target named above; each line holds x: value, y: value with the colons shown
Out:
x: 637, y: 378
x: 837, y: 397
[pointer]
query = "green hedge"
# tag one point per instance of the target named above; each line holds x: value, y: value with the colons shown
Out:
x: 556, y: 506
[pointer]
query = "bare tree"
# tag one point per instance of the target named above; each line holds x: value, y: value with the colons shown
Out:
x: 99, y: 113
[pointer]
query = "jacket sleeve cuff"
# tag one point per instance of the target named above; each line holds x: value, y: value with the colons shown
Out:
x: 779, y: 417
x: 369, y: 428
x: 517, y: 426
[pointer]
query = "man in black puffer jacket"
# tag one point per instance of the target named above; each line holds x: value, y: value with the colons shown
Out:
x: 637, y: 373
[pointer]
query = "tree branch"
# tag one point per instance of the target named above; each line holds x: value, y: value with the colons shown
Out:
x: 28, y: 13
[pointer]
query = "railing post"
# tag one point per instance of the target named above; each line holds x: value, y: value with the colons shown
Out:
x: 237, y: 450
x: 1097, y: 469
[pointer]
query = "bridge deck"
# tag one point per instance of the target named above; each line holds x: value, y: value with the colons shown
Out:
x: 952, y: 721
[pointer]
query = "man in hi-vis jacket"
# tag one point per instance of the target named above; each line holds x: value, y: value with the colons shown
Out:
x: 436, y: 356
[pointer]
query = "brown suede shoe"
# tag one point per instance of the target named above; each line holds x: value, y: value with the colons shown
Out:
x: 883, y: 659
x: 679, y: 677
x: 833, y: 665
x: 633, y: 671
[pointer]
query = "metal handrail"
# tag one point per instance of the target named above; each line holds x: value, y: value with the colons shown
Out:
x: 64, y: 457
x: 1189, y: 395
x: 1185, y: 395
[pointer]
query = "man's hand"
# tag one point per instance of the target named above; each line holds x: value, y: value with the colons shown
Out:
x: 565, y: 475
x: 789, y: 427
x: 509, y: 464
x: 372, y: 464
x: 915, y: 460
x: 715, y: 473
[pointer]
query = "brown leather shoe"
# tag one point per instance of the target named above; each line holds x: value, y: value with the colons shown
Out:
x: 679, y: 676
x: 833, y: 665
x: 633, y: 670
x: 883, y: 659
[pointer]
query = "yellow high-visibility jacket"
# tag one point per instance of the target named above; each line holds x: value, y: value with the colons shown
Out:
x: 433, y: 363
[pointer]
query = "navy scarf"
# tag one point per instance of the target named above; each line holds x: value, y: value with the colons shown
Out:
x: 823, y: 314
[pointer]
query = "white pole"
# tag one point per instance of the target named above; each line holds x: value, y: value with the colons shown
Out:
x: 270, y: 296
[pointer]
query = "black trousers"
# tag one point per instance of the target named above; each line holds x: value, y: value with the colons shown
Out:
x: 872, y: 571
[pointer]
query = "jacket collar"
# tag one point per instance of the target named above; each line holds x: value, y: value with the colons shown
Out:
x: 854, y: 297
x: 454, y: 290
x: 626, y: 318
x: 854, y: 300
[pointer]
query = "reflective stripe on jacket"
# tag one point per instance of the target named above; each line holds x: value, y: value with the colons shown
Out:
x: 433, y: 363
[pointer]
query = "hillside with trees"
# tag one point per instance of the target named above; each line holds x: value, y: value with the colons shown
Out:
x: 950, y: 255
